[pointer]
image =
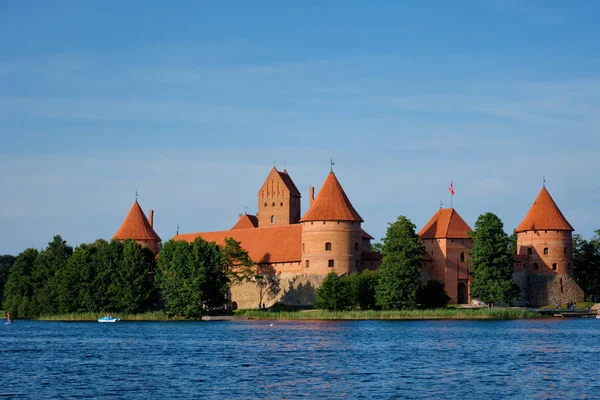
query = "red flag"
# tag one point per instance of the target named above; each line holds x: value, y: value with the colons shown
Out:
x: 451, y: 188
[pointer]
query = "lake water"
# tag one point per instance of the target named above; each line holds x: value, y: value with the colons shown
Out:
x: 313, y: 359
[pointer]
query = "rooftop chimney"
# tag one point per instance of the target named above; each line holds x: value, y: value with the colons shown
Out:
x: 151, y: 218
x: 311, y: 191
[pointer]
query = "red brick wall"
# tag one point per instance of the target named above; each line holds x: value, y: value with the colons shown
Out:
x: 274, y: 200
x: 560, y: 252
x: 345, y: 238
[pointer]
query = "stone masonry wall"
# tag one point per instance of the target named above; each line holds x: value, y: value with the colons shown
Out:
x: 290, y: 289
x: 539, y: 290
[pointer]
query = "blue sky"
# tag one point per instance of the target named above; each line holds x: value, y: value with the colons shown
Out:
x: 192, y: 103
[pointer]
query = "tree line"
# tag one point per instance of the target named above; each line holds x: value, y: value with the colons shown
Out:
x: 122, y: 276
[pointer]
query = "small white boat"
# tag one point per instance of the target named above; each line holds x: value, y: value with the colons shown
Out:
x: 110, y: 318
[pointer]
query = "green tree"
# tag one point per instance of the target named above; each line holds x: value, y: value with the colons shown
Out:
x: 19, y: 289
x: 491, y: 262
x: 377, y: 247
x: 6, y: 263
x: 236, y: 262
x: 106, y: 261
x: 133, y: 282
x: 400, y: 270
x: 586, y: 258
x: 213, y: 279
x: 433, y: 295
x: 75, y: 280
x: 44, y: 276
x: 363, y: 286
x: 334, y: 293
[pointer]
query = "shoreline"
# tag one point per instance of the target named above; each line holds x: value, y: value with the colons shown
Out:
x: 321, y: 315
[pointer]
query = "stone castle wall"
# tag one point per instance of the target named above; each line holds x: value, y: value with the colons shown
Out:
x: 290, y: 289
x: 539, y: 290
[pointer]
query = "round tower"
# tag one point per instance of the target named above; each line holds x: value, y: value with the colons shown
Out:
x: 139, y: 228
x: 331, y: 232
x: 544, y: 238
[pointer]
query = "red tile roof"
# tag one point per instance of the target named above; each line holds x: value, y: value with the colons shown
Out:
x: 272, y: 244
x: 331, y: 204
x: 445, y: 224
x: 136, y: 226
x: 246, y: 221
x: 289, y: 183
x: 544, y: 214
x: 366, y: 235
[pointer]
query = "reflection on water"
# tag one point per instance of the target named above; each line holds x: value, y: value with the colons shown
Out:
x: 314, y: 359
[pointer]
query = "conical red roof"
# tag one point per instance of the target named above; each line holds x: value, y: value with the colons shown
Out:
x: 544, y: 215
x: 136, y: 226
x: 445, y: 224
x: 331, y: 204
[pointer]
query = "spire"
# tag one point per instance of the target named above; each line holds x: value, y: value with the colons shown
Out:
x: 331, y: 204
x: 446, y: 223
x: 544, y: 214
x: 136, y: 226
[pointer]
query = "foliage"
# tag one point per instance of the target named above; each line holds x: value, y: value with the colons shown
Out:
x: 362, y: 287
x: 19, y: 289
x: 376, y: 247
x: 236, y: 262
x: 6, y: 263
x: 44, y: 276
x: 433, y: 295
x: 586, y: 258
x: 334, y: 293
x: 400, y: 270
x: 190, y: 277
x: 491, y: 262
x: 267, y: 280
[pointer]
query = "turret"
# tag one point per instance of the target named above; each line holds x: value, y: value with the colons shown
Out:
x: 137, y: 227
x: 331, y: 232
x: 544, y: 238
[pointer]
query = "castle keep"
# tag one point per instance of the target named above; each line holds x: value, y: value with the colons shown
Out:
x: 299, y: 251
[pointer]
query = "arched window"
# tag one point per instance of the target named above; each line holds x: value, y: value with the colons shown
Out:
x: 265, y: 204
x: 272, y: 219
x: 307, y: 263
x: 303, y: 246
x: 545, y: 250
x: 328, y: 246
x: 331, y: 263
x: 462, y: 257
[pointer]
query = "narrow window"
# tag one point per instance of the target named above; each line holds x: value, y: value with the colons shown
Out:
x: 357, y: 263
x: 265, y: 204
x: 272, y: 219
x: 536, y: 266
x: 331, y: 263
x: 545, y: 250
x: 273, y: 204
x: 323, y: 222
x: 569, y: 266
x: 529, y: 251
x: 565, y: 251
x: 328, y: 246
x: 307, y: 263
x: 462, y: 257
x: 303, y: 247
x: 280, y: 204
x: 355, y: 246
x: 554, y: 267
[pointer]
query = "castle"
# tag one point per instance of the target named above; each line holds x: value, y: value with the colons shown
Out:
x: 300, y: 251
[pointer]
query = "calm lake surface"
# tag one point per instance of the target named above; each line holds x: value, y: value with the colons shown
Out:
x: 556, y: 359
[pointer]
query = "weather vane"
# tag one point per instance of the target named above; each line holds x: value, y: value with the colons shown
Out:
x: 331, y: 164
x: 136, y: 194
x: 543, y: 181
x: 177, y: 229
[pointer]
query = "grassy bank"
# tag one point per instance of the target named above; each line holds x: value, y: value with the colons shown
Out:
x: 447, y: 313
x: 580, y: 306
x: 90, y: 316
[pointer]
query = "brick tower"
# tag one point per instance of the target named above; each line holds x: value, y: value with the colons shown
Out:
x: 139, y: 228
x: 278, y: 200
x: 447, y: 241
x: 331, y: 232
x: 544, y: 259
